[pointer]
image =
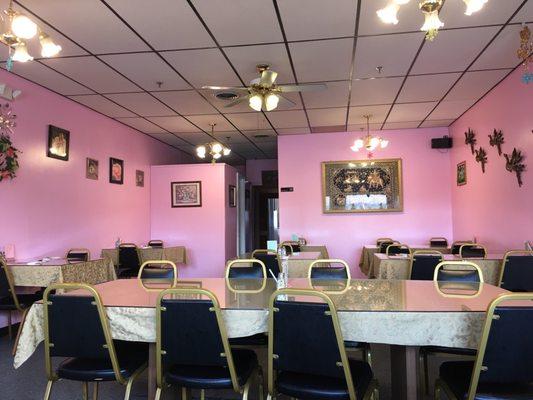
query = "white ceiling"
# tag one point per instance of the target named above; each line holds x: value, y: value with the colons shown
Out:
x: 113, y: 62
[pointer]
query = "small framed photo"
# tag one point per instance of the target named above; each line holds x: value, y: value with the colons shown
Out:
x: 139, y: 178
x: 91, y: 169
x: 232, y: 196
x: 58, y: 143
x: 116, y: 171
x: 186, y: 194
x: 461, y: 173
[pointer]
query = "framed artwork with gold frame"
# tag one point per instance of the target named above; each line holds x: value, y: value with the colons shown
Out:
x: 461, y: 173
x: 362, y: 186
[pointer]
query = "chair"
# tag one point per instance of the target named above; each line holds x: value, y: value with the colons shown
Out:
x: 516, y: 274
x: 158, y: 273
x: 192, y: 348
x: 290, y: 247
x: 76, y: 328
x: 328, y: 273
x: 502, y: 368
x: 456, y: 246
x: 306, y: 353
x: 397, y: 248
x: 257, y: 269
x: 423, y: 263
x: 78, y: 255
x: 271, y: 260
x: 461, y: 275
x: 472, y: 250
x: 384, y: 244
x: 128, y: 260
x: 382, y: 240
x: 156, y: 244
x: 438, y: 242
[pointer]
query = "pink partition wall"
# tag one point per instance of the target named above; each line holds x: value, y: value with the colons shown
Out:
x: 491, y: 206
x: 230, y: 176
x: 255, y: 168
x: 426, y: 177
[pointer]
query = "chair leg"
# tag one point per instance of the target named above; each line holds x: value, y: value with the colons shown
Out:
x: 202, y: 394
x: 158, y: 393
x: 246, y: 390
x: 260, y: 383
x: 128, y: 389
x: 95, y: 391
x: 426, y: 372
x: 85, y: 390
x: 185, y: 393
x: 48, y: 390
x: 423, y: 371
x: 437, y: 391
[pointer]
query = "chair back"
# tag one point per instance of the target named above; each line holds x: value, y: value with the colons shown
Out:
x: 77, y: 326
x: 384, y: 244
x: 157, y: 272
x: 271, y: 260
x: 456, y: 246
x: 246, y: 269
x: 472, y: 250
x: 438, y: 242
x: 128, y: 256
x: 7, y: 290
x: 191, y: 332
x: 506, y: 350
x: 155, y: 243
x: 423, y: 263
x: 397, y: 248
x: 516, y: 274
x: 290, y: 247
x: 460, y: 271
x: 316, y: 271
x: 80, y: 254
x: 381, y: 240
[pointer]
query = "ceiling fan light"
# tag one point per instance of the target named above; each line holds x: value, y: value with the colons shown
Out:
x: 226, y: 151
x: 271, y: 101
x: 256, y: 102
x: 359, y: 143
x: 389, y: 14
x: 401, y: 2
x: 432, y: 22
x: 217, y: 147
x: 48, y: 47
x: 216, y: 156
x: 355, y: 148
x: 21, y: 53
x: 23, y: 27
x: 374, y: 142
x: 473, y: 6
x: 384, y: 143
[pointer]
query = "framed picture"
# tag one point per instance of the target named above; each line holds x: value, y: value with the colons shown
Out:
x: 139, y: 178
x: 58, y: 143
x: 232, y: 196
x: 116, y: 171
x: 461, y: 173
x: 91, y: 169
x: 362, y: 186
x: 186, y: 194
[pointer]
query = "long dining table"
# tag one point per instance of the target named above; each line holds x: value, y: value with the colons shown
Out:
x: 403, y: 314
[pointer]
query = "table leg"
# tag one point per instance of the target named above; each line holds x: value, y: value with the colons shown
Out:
x: 404, y: 382
x: 151, y: 371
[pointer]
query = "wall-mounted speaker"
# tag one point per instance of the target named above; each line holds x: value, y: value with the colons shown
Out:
x: 445, y: 142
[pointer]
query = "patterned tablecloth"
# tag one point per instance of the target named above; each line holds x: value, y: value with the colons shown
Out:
x: 321, y: 249
x: 177, y: 254
x: 298, y: 263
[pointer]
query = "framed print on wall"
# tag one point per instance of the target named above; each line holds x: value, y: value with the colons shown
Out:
x: 186, y: 194
x: 461, y: 173
x: 139, y: 178
x: 58, y: 143
x: 362, y: 186
x: 91, y: 169
x: 232, y: 196
x: 116, y: 171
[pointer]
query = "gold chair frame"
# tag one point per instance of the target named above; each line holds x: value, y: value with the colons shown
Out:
x: 372, y: 392
x: 438, y: 238
x: 504, y: 261
x: 472, y: 245
x: 268, y: 252
x: 384, y: 239
x: 329, y: 261
x: 79, y: 250
x: 109, y: 345
x: 459, y: 263
x: 422, y: 253
x: 157, y: 262
x: 400, y: 245
x: 231, y: 263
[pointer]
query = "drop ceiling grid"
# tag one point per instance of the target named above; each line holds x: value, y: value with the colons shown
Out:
x: 226, y: 51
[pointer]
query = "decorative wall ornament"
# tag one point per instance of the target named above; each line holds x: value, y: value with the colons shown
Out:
x: 470, y: 139
x: 481, y: 157
x: 91, y: 169
x: 496, y: 140
x: 7, y: 120
x: 514, y: 163
x: 58, y: 143
x: 186, y: 194
x: 116, y: 171
x: 461, y: 173
x: 525, y: 53
x: 8, y: 158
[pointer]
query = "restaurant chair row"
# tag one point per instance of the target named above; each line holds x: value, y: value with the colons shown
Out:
x: 465, y: 249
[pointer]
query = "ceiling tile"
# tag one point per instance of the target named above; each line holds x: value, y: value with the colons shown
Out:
x: 203, y: 67
x: 47, y: 77
x: 402, y: 125
x: 287, y: 119
x: 436, y: 123
x: 327, y: 117
x: 410, y: 18
x: 172, y: 23
x: 473, y: 85
x: 444, y: 55
x: 185, y: 102
x: 525, y: 14
x: 493, y: 13
x: 146, y: 69
x: 106, y: 33
x: 250, y: 121
x: 410, y: 112
x: 502, y: 52
x: 266, y: 135
x: 103, y: 105
x: 141, y: 124
x: 205, y: 121
x: 141, y: 103
x: 293, y: 131
x: 231, y: 137
x: 378, y: 114
x: 394, y: 53
x: 336, y: 95
x: 419, y: 88
x: 174, y: 124
x: 240, y: 21
x: 92, y: 73
x: 269, y: 147
x: 317, y: 19
x: 450, y: 109
x: 362, y: 127
x: 170, y: 139
x: 375, y: 91
x: 195, y: 138
x: 326, y: 60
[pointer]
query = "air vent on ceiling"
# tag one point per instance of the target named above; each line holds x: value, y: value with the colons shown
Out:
x: 331, y: 128
x: 261, y: 136
x: 226, y: 95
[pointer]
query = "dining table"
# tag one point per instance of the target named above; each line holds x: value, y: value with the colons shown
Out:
x: 297, y: 264
x: 404, y: 314
x: 176, y: 254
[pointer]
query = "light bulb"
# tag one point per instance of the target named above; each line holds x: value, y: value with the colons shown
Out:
x: 216, y: 156
x: 473, y: 6
x: 271, y: 101
x: 48, y: 47
x: 200, y: 151
x: 388, y: 15
x: 384, y: 143
x: 226, y: 151
x: 374, y: 142
x: 401, y: 2
x: 21, y: 53
x: 217, y: 148
x: 432, y: 22
x: 23, y: 27
x: 359, y: 143
x: 256, y: 102
x: 355, y: 148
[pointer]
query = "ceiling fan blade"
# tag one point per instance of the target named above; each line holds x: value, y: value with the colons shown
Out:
x: 225, y: 87
x: 287, y: 102
x: 268, y: 77
x: 302, y: 88
x: 235, y: 102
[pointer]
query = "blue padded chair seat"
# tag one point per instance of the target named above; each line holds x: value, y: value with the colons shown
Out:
x: 457, y: 376
x: 313, y: 387
x: 260, y: 339
x: 25, y: 301
x: 348, y: 344
x: 213, y: 377
x: 131, y: 356
x: 450, y: 350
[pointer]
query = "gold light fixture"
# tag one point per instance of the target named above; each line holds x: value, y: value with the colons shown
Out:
x: 19, y: 29
x: 214, y: 149
x: 369, y: 142
x: 430, y: 8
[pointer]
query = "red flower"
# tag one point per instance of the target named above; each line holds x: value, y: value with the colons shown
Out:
x: 10, y: 152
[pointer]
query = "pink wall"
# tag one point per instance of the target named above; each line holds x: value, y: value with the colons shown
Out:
x: 491, y: 206
x: 426, y: 176
x: 254, y: 169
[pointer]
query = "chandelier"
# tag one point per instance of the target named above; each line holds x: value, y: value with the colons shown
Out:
x: 369, y: 142
x: 19, y: 29
x: 214, y: 149
x: 430, y: 8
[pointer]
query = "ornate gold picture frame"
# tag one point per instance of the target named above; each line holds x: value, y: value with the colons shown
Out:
x: 362, y: 186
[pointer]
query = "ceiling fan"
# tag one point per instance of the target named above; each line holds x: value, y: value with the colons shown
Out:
x: 263, y: 93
